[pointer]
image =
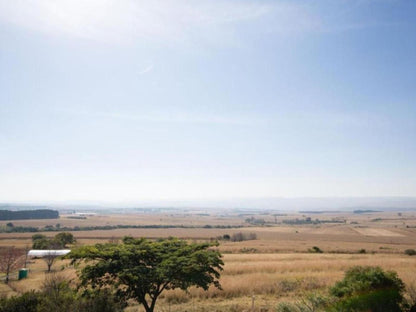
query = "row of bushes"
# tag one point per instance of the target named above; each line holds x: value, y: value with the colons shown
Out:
x: 236, y: 237
x: 316, y: 249
x: 49, y: 228
x: 309, y: 220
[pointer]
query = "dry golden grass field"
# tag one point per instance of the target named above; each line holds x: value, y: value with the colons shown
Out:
x: 274, y: 267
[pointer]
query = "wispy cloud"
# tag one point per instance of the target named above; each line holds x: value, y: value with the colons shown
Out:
x: 179, y: 21
x: 167, y: 117
x: 123, y: 20
x: 146, y: 70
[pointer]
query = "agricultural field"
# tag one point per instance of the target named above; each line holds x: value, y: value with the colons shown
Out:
x: 286, y: 257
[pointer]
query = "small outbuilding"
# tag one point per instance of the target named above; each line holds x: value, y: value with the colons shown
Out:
x: 49, y: 255
x: 40, y: 253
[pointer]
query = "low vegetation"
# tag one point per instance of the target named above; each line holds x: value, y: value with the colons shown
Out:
x: 410, y: 252
x: 361, y: 289
x: 51, y: 228
x: 56, y: 294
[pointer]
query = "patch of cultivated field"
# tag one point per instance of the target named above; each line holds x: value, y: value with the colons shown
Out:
x: 178, y: 219
x: 277, y: 238
x: 377, y: 232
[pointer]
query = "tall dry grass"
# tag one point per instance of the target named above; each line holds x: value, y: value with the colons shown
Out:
x: 274, y: 277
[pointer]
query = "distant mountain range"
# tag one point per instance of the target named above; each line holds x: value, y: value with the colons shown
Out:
x: 271, y: 203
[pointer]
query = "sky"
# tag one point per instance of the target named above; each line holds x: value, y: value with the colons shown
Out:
x: 125, y: 100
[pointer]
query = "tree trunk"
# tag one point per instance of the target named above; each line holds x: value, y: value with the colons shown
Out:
x: 7, y: 274
x: 146, y: 307
x: 151, y: 307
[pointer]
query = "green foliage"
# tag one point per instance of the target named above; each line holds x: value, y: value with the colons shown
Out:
x: 37, y: 236
x: 41, y: 243
x: 18, y: 229
x: 27, y: 302
x: 141, y: 269
x: 61, y: 240
x: 369, y: 289
x: 64, y: 238
x: 99, y: 300
x: 315, y: 249
x: 58, y: 227
x: 28, y: 214
x: 57, y: 295
x: 255, y: 221
x: 410, y: 252
x: 240, y: 236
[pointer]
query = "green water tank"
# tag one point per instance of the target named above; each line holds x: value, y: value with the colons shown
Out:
x: 23, y: 273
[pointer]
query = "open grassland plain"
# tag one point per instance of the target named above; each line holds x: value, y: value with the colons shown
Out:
x: 332, y: 232
x: 271, y: 278
x: 280, y: 264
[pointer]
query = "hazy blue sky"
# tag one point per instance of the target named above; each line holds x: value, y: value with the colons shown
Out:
x: 124, y: 100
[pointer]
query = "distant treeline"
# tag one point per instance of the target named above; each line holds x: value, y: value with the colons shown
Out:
x: 29, y: 214
x: 49, y: 228
x: 366, y: 211
x: 320, y: 211
x: 309, y: 220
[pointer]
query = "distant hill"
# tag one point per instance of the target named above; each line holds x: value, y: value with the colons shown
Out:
x: 304, y: 204
x: 21, y: 207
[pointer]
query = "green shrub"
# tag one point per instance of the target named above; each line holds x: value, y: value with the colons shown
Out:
x: 27, y: 302
x: 369, y: 289
x: 315, y: 249
x: 57, y: 295
x: 240, y: 236
x: 410, y: 252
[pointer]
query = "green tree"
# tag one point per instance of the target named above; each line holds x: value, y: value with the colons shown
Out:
x: 40, y: 241
x: 60, y: 240
x: 142, y: 269
x: 63, y: 239
x: 369, y: 289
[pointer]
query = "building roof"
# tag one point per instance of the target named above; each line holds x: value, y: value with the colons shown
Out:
x: 48, y: 252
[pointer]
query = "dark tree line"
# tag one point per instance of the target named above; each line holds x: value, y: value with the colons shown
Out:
x: 29, y: 214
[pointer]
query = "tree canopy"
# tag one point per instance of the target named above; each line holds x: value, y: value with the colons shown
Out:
x: 142, y: 269
x: 59, y: 241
